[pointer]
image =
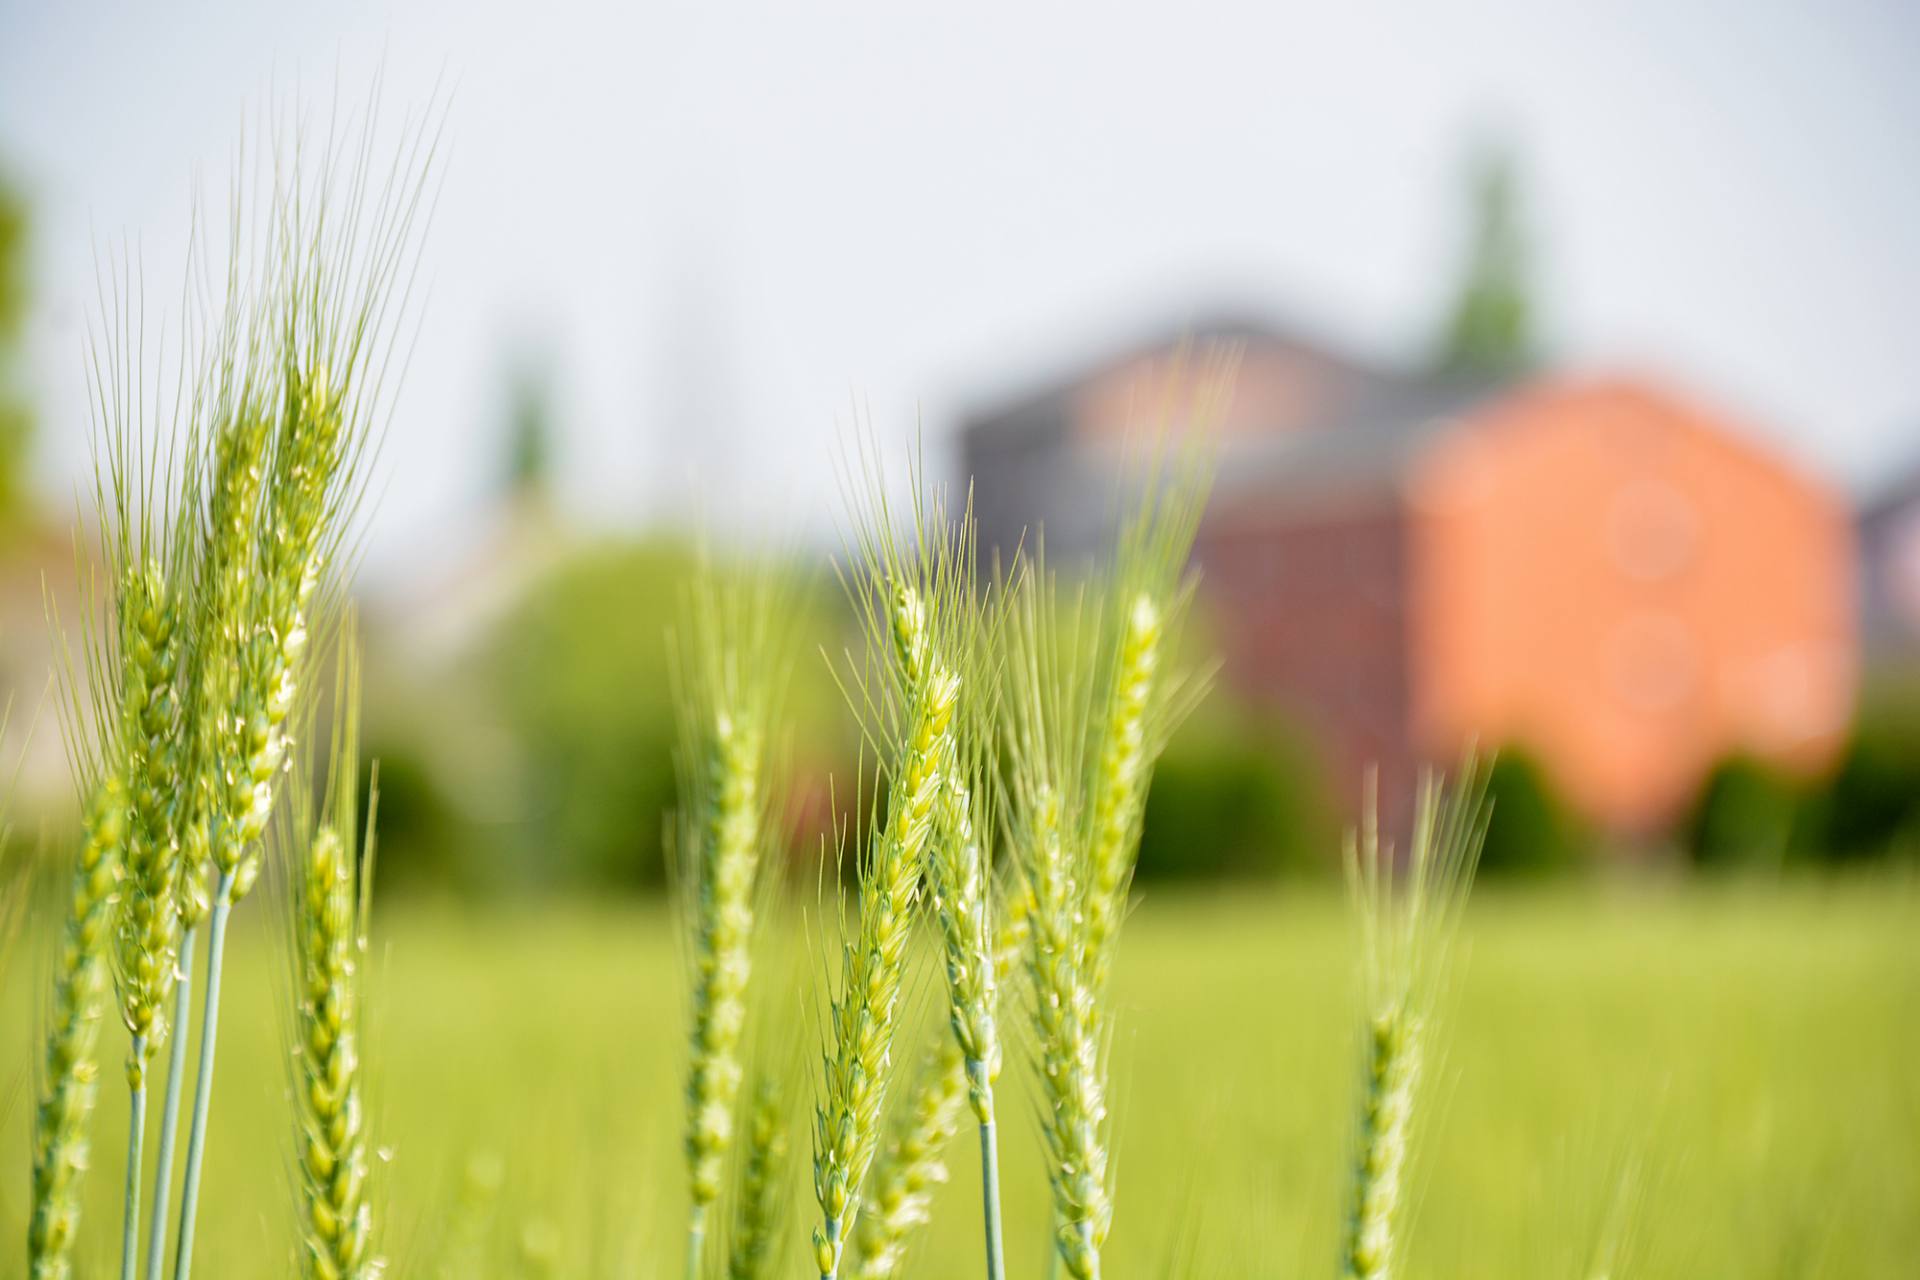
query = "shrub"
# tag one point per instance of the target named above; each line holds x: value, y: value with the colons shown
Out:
x: 1531, y: 830
x: 581, y: 671
x: 1236, y: 799
x: 1872, y: 805
x: 1749, y: 815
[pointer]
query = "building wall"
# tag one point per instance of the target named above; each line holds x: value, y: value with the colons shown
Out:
x: 1307, y: 605
x: 1617, y: 581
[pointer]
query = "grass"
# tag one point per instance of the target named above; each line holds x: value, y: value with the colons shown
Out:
x: 1757, y: 1050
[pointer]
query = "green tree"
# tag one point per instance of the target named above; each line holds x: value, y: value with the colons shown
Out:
x: 16, y: 419
x: 1489, y: 333
x: 530, y: 433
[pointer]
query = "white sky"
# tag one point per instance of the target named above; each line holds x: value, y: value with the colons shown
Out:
x: 727, y: 225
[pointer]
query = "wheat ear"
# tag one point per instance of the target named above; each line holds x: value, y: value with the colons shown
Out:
x: 69, y: 1072
x: 1406, y: 928
x: 727, y: 670
x: 332, y: 895
x: 1051, y: 822
x: 213, y: 663
x: 1139, y: 703
x: 147, y: 933
x: 763, y: 1184
x: 959, y: 861
x: 863, y: 1015
x: 331, y: 313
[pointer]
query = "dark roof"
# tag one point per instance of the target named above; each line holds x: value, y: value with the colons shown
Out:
x: 1370, y: 449
x: 1381, y: 414
x: 1891, y: 499
x: 1221, y: 328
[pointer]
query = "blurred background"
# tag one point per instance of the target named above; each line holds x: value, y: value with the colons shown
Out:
x: 1578, y: 412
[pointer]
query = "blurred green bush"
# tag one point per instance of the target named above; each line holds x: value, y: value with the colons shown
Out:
x: 1237, y: 797
x: 585, y: 689
x: 1752, y: 816
x: 1531, y: 830
x: 1872, y: 805
x: 1749, y: 816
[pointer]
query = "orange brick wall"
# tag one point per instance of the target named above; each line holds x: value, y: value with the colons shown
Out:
x: 1617, y: 581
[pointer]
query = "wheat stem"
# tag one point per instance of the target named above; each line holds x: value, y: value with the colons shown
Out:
x: 912, y: 1166
x: 203, y: 1079
x: 136, y: 1136
x: 696, y: 1239
x: 978, y: 1078
x: 170, y: 1105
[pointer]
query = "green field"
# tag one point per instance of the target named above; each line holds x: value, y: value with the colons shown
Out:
x: 1732, y: 1072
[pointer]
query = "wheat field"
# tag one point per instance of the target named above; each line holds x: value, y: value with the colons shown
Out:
x: 1728, y: 1071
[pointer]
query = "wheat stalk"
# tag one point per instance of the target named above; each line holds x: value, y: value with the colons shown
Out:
x: 863, y: 1015
x: 69, y: 1071
x: 959, y: 862
x: 1051, y: 823
x: 331, y: 900
x: 1406, y: 928
x: 340, y: 263
x: 729, y: 675
x: 903, y: 1169
x: 121, y: 707
x: 233, y: 486
x: 231, y: 418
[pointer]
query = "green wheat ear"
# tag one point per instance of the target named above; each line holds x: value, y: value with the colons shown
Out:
x: 1140, y: 697
x: 904, y: 586
x: 344, y: 236
x: 730, y: 675
x: 1407, y: 919
x: 329, y: 857
x: 1051, y: 820
x: 122, y: 720
x: 761, y: 1202
x: 69, y: 1072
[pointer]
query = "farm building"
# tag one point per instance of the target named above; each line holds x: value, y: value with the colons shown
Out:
x: 1889, y: 532
x: 1598, y: 570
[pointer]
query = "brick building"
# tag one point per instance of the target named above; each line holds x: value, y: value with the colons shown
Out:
x: 1599, y: 570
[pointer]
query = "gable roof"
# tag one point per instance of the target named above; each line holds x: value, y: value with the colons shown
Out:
x: 1304, y: 412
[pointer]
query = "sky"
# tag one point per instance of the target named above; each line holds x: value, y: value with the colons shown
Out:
x: 734, y: 236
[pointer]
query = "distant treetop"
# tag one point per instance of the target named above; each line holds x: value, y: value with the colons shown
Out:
x: 1489, y: 333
